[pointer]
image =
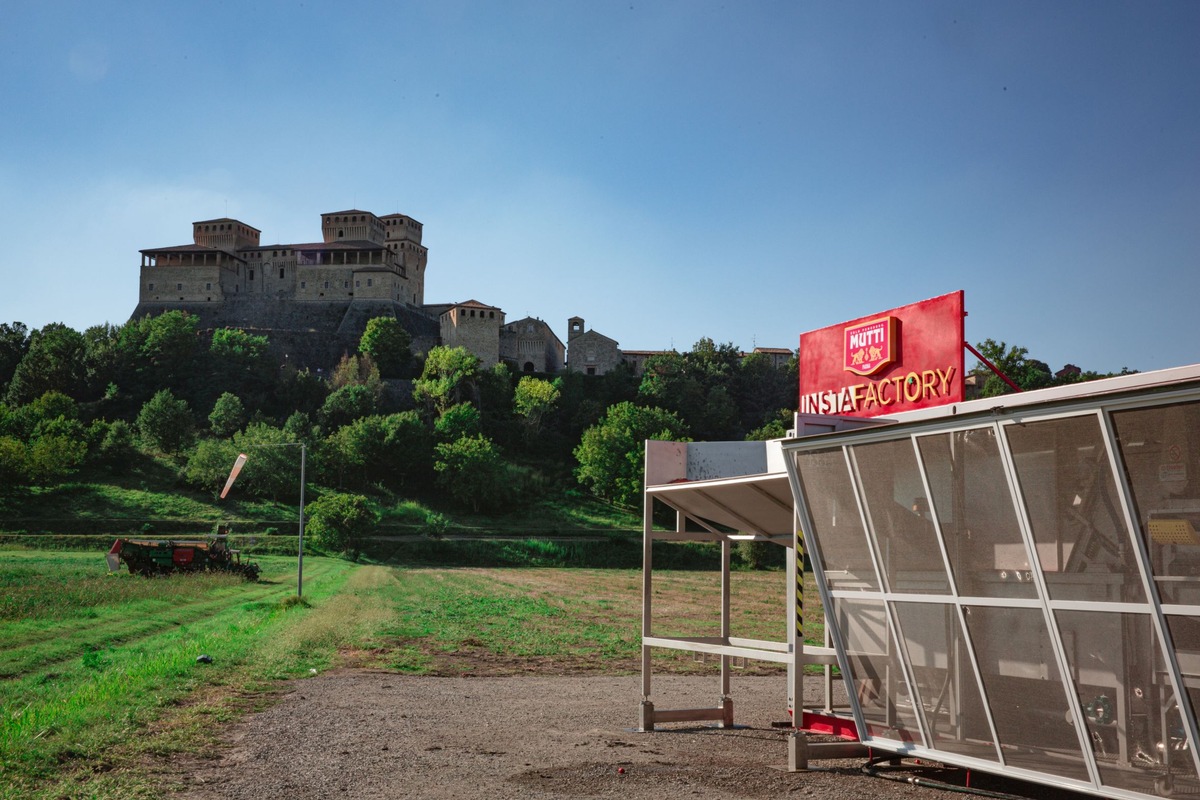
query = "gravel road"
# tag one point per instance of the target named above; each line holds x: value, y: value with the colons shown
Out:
x: 370, y: 734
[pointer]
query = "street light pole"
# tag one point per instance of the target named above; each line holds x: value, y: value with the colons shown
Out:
x: 300, y: 555
x: 237, y: 468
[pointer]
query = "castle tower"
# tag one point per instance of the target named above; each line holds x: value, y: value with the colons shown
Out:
x: 352, y: 226
x: 404, y: 239
x: 225, y: 234
x: 475, y: 326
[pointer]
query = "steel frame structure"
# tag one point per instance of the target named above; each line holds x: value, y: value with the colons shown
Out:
x: 1016, y: 588
x: 727, y: 493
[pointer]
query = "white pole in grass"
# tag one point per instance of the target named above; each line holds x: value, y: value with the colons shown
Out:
x: 237, y: 468
x: 300, y: 553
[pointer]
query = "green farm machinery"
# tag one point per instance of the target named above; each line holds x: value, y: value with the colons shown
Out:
x: 165, y: 556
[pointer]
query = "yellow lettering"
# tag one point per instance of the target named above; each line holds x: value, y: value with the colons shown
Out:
x: 912, y: 382
x: 847, y: 400
x: 870, y: 399
x: 945, y: 378
x: 884, y: 401
x: 928, y: 378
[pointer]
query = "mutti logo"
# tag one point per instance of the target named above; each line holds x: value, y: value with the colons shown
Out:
x: 870, y: 346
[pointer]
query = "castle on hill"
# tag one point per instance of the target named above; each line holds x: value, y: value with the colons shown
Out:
x: 313, y: 300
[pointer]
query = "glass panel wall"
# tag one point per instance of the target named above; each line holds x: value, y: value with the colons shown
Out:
x: 1025, y: 690
x: 1160, y: 447
x: 1175, y: 753
x: 1071, y: 501
x: 841, y: 540
x: 1128, y: 707
x: 951, y: 702
x: 898, y: 512
x: 975, y: 510
x: 877, y: 673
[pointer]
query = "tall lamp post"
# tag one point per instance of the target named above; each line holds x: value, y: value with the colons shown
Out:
x: 240, y: 462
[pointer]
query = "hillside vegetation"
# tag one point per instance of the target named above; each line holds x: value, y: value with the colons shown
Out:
x: 134, y: 429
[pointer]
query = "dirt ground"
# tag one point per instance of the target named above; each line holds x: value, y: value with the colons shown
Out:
x: 372, y: 734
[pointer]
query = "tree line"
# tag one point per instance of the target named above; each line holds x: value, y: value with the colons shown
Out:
x: 438, y: 428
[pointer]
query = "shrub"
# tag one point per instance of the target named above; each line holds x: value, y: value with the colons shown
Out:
x: 338, y: 523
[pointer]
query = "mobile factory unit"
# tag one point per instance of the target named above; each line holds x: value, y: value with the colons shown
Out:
x: 1013, y: 584
x: 1010, y: 584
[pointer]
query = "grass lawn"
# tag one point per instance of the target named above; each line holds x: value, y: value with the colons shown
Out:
x: 99, y: 672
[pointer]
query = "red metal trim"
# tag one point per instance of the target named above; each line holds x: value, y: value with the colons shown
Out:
x: 829, y: 724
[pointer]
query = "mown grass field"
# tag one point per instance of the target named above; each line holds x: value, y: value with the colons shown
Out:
x: 99, y: 676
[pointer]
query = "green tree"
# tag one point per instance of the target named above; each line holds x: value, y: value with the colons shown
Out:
x: 52, y: 457
x: 117, y: 449
x: 449, y: 376
x: 611, y: 454
x: 698, y: 386
x: 43, y: 441
x: 1013, y: 361
x: 472, y: 472
x: 533, y: 400
x: 775, y: 426
x: 299, y: 391
x: 760, y: 389
x: 391, y: 450
x: 53, y: 362
x: 347, y: 404
x: 388, y: 345
x: 456, y: 422
x: 165, y: 422
x: 101, y: 360
x: 14, y: 343
x: 339, y: 523
x: 228, y: 415
x: 158, y: 352
x: 239, y: 363
x: 273, y: 465
x: 209, y: 464
x: 356, y: 370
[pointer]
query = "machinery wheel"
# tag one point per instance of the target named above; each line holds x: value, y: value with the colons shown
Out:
x: 1164, y: 785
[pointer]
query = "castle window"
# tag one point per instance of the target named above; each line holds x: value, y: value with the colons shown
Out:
x: 281, y: 273
x: 369, y: 281
x: 341, y: 234
x: 179, y: 287
x: 208, y: 287
x: 357, y: 284
x: 251, y: 274
x: 303, y: 284
x: 151, y: 287
x: 491, y: 315
x: 326, y: 284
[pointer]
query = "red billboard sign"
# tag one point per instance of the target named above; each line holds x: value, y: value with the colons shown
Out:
x: 903, y: 359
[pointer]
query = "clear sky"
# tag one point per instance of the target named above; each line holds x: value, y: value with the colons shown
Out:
x: 666, y: 170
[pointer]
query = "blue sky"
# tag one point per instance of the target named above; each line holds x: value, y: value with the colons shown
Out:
x: 666, y: 170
